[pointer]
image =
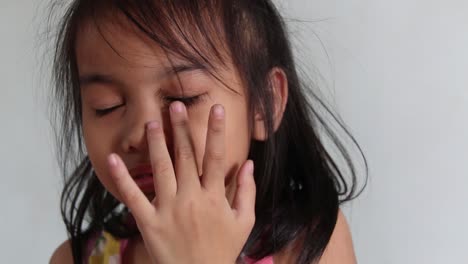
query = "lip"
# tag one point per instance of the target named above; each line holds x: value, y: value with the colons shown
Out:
x: 140, y: 170
x: 146, y: 184
x: 142, y: 174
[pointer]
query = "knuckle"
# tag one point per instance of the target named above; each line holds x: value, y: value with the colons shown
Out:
x: 186, y: 209
x: 213, y: 201
x: 215, y: 154
x: 184, y: 152
x: 154, y: 133
x: 179, y: 216
x: 216, y: 128
x: 179, y: 123
x: 164, y: 167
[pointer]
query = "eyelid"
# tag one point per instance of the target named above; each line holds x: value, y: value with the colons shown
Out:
x: 184, y: 96
x: 187, y: 100
x: 110, y: 107
x: 105, y: 111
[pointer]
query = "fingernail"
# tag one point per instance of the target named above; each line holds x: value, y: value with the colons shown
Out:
x: 177, y: 107
x: 250, y: 167
x: 153, y: 125
x: 112, y: 160
x: 218, y: 110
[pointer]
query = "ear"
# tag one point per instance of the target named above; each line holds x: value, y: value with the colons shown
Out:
x: 279, y: 84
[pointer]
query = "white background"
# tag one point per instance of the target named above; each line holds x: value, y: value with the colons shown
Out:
x: 397, y: 76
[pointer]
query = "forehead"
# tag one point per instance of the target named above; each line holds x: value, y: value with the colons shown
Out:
x: 141, y: 40
x: 120, y: 49
x: 106, y: 43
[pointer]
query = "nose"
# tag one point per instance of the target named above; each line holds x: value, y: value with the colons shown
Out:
x: 134, y: 138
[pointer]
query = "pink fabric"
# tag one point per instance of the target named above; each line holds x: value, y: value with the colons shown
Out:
x: 123, y: 246
x: 90, y: 245
x: 265, y: 260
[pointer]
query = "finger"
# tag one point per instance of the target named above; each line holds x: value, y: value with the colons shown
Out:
x: 185, y: 163
x: 130, y: 194
x: 214, y: 159
x: 244, y: 201
x: 165, y: 185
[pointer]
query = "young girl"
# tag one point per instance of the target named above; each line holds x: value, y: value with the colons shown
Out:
x: 164, y: 110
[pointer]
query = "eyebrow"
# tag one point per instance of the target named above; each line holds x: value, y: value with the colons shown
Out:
x: 99, y: 78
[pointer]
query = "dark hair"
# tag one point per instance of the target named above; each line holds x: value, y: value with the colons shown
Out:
x: 299, y: 184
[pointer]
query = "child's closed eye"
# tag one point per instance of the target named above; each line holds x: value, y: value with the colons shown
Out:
x: 188, y: 102
x: 103, y: 112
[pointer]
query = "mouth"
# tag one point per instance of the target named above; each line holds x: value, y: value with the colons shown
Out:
x: 145, y: 182
x: 142, y: 174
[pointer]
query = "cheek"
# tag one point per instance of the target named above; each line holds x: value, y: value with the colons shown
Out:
x: 98, y: 146
x: 237, y: 141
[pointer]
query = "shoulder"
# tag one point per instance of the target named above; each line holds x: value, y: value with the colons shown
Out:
x: 340, y: 247
x: 63, y: 254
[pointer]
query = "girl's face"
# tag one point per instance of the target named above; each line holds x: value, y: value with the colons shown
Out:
x: 140, y: 84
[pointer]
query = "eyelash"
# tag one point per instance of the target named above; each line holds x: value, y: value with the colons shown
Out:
x: 103, y: 112
x: 188, y: 102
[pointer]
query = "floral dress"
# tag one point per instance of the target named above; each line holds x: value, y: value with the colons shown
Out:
x: 103, y: 248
